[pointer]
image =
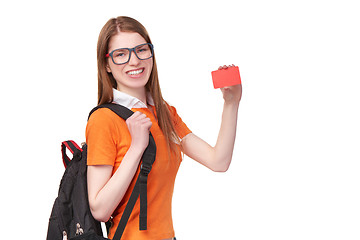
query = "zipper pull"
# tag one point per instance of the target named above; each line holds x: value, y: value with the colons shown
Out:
x: 64, y: 235
x: 79, y: 230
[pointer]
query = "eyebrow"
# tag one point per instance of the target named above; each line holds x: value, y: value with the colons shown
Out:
x: 128, y: 47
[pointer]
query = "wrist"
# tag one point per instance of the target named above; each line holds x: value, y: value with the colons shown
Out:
x: 232, y: 104
x: 135, y: 152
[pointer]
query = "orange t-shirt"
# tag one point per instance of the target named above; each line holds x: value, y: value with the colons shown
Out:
x: 108, y: 140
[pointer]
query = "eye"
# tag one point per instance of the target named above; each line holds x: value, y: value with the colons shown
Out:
x: 143, y: 48
x: 120, y: 53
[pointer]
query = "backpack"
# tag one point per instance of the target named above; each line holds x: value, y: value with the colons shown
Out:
x: 71, y: 217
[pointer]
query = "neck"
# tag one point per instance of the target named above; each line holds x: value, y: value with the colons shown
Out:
x: 139, y: 93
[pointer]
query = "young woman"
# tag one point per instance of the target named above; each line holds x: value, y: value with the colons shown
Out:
x: 127, y: 75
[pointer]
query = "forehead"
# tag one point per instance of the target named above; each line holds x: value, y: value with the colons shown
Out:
x: 125, y: 40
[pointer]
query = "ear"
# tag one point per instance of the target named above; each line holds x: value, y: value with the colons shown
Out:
x: 108, y: 68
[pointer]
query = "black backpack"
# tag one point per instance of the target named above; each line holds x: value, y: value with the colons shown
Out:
x: 71, y: 217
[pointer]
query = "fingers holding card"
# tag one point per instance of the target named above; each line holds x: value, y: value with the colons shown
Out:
x: 226, y: 76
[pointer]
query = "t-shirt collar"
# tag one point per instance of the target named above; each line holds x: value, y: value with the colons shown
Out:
x: 130, y: 102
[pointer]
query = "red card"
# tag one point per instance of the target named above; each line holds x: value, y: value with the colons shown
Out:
x: 226, y: 77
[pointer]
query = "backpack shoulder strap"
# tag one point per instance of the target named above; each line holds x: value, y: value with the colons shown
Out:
x: 73, y: 147
x: 120, y: 110
x: 140, y: 188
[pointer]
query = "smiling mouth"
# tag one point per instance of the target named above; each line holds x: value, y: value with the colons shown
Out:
x: 135, y: 72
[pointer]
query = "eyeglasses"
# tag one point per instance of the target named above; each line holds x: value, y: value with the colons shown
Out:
x: 123, y: 55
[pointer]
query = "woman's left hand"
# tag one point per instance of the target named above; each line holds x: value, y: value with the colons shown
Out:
x: 231, y: 94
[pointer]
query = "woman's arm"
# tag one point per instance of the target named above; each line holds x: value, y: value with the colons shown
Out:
x: 217, y: 158
x: 105, y: 191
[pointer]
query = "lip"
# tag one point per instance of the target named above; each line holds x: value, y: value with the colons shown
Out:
x: 136, y: 75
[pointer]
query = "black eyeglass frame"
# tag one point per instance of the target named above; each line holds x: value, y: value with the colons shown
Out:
x: 131, y: 50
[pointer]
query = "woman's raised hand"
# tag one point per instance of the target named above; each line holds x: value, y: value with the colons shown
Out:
x: 139, y: 126
x: 231, y: 94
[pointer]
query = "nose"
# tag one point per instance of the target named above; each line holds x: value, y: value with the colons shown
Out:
x: 134, y: 60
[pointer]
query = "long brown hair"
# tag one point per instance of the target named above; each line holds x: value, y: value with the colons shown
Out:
x: 106, y: 81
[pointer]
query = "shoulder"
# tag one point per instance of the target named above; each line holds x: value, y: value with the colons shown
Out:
x: 105, y: 120
x: 180, y: 127
x: 172, y: 110
x: 174, y: 114
x: 104, y: 116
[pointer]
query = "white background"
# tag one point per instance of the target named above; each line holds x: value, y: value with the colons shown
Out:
x: 295, y: 172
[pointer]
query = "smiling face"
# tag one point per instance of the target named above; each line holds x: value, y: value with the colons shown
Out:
x: 133, y: 75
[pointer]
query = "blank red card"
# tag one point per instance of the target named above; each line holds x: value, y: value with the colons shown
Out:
x: 226, y: 77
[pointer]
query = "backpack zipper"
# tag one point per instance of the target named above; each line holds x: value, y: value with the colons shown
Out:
x: 79, y: 230
x: 64, y: 235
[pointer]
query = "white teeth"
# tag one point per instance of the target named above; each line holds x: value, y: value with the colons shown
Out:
x: 136, y: 72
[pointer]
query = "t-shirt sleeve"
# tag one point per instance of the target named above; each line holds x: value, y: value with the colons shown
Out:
x: 180, y: 127
x: 101, y: 138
